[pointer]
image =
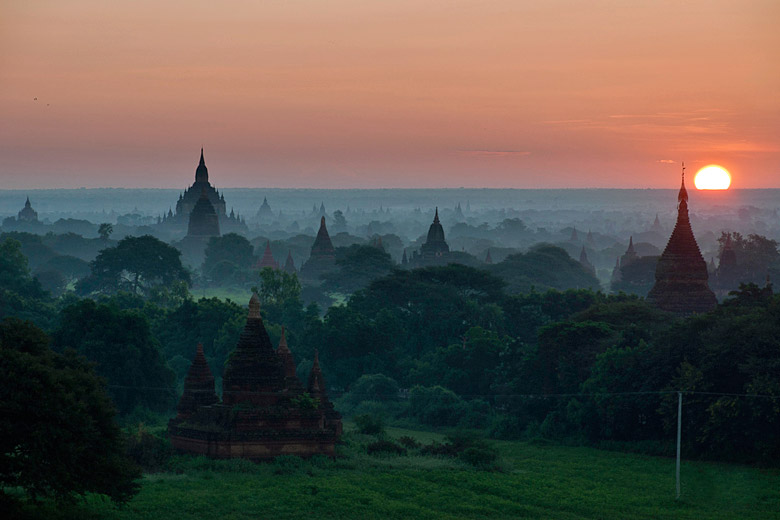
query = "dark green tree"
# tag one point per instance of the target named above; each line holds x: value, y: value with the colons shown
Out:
x: 232, y: 248
x: 58, y: 436
x: 543, y: 267
x: 121, y: 345
x: 136, y: 264
x: 104, y: 230
x: 356, y: 266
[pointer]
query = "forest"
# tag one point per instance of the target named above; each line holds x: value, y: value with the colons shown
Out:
x: 504, y: 350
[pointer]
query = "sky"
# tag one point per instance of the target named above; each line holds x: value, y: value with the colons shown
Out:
x: 380, y: 93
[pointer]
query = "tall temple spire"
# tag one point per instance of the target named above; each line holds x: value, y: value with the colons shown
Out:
x: 198, y: 386
x: 436, y: 216
x: 201, y: 172
x: 683, y: 195
x: 681, y: 273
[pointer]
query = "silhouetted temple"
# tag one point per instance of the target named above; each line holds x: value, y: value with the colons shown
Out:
x: 435, y: 250
x: 289, y: 264
x: 586, y: 263
x: 265, y: 410
x: 27, y: 213
x: 323, y: 255
x: 192, y: 195
x: 267, y: 259
x: 681, y: 274
x: 203, y: 221
x: 265, y: 212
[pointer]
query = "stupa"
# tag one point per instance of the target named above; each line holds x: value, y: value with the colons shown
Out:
x: 681, y: 274
x: 265, y: 410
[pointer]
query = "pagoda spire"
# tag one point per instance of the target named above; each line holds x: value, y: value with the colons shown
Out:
x: 201, y: 172
x: 436, y: 216
x: 198, y: 386
x: 683, y: 195
x: 681, y: 273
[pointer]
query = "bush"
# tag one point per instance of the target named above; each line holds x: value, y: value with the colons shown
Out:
x: 479, y: 456
x: 370, y: 424
x: 435, y: 405
x: 149, y: 451
x: 288, y: 465
x: 372, y: 387
x: 385, y: 447
x: 408, y: 442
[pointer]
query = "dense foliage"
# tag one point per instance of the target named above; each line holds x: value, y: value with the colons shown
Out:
x: 58, y: 436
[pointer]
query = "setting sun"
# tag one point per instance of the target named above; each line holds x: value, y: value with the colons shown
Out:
x: 712, y: 177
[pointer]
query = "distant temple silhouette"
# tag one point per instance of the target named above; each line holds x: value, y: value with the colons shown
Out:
x: 435, y: 250
x: 323, y: 255
x: 189, y: 200
x: 681, y: 274
x: 265, y: 411
x: 27, y: 213
x: 203, y: 219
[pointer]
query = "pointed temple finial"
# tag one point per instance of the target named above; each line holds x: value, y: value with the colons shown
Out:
x: 283, y: 348
x: 630, y: 244
x: 683, y: 192
x: 201, y: 172
x: 436, y: 216
x: 254, y: 307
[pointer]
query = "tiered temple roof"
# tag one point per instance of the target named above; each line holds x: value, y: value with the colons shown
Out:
x: 681, y: 274
x: 268, y: 258
x: 264, y: 410
x: 435, y: 244
x: 27, y: 213
x: 322, y: 257
x: 203, y: 221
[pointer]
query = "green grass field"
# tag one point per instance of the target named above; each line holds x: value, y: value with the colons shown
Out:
x: 535, y: 481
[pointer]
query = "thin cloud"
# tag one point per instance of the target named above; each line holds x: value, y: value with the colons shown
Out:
x: 494, y: 153
x: 667, y: 161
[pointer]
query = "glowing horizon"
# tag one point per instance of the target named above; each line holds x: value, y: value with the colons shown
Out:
x: 353, y: 94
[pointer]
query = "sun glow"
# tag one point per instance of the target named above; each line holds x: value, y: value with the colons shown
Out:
x: 712, y: 177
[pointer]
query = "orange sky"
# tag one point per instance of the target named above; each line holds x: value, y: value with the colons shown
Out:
x: 343, y: 93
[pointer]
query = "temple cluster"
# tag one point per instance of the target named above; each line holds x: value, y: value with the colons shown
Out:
x: 265, y: 410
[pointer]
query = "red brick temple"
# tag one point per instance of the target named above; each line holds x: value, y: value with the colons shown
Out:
x: 265, y: 409
x: 681, y: 274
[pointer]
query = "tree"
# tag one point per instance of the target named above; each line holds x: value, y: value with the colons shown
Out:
x: 356, y: 266
x: 232, y: 248
x: 278, y: 286
x: 339, y: 222
x: 136, y: 264
x: 104, y: 230
x: 58, y: 436
x: 121, y: 345
x: 544, y: 267
x: 638, y: 277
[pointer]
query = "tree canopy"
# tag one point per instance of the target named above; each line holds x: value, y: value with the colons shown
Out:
x: 136, y: 264
x: 58, y: 436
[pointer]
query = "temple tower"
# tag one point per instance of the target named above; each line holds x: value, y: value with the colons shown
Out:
x: 198, y: 386
x: 681, y: 274
x: 435, y: 245
x: 322, y: 257
x: 203, y: 221
x: 27, y: 213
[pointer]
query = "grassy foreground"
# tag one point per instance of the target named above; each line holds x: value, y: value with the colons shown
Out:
x: 535, y: 481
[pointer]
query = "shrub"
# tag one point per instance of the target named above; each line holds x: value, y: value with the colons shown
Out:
x: 384, y: 446
x: 370, y: 424
x: 479, y: 456
x: 408, y: 442
x: 147, y: 450
x: 372, y: 387
x: 288, y: 465
x: 435, y: 405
